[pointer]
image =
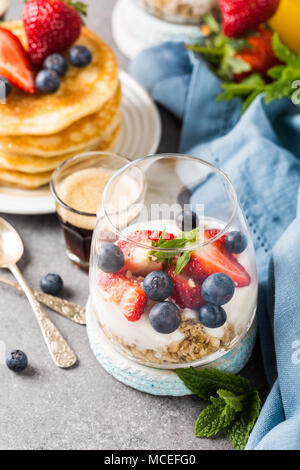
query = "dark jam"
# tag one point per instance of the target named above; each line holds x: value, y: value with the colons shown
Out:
x: 78, y: 241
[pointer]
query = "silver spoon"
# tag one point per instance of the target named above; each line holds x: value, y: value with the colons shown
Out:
x: 67, y: 309
x: 11, y: 251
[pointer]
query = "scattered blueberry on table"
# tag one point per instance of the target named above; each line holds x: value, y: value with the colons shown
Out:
x: 17, y: 360
x: 47, y: 81
x: 236, y: 242
x: 218, y: 289
x: 212, y: 316
x: 56, y: 62
x: 158, y: 285
x: 80, y: 56
x: 52, y: 284
x: 165, y: 317
x: 7, y: 86
x: 187, y: 220
x: 110, y: 258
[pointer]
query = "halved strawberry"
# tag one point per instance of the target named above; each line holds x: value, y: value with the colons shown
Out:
x: 14, y: 63
x: 186, y: 292
x: 137, y: 258
x: 127, y: 293
x: 213, y: 258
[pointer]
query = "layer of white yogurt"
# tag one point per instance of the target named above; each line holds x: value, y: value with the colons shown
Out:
x: 141, y: 334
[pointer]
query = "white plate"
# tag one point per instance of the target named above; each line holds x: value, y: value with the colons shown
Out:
x: 140, y: 136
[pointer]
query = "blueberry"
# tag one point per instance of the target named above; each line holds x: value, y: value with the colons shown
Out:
x: 187, y: 220
x: 80, y: 56
x: 56, y: 62
x: 212, y: 316
x: 47, y: 81
x: 158, y: 285
x: 110, y: 258
x: 236, y: 242
x: 6, y: 88
x: 52, y: 284
x: 218, y: 289
x: 165, y: 317
x: 16, y: 361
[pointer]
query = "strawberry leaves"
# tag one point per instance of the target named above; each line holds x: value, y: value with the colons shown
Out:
x: 234, y: 404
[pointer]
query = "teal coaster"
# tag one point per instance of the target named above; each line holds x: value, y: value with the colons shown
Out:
x: 158, y: 381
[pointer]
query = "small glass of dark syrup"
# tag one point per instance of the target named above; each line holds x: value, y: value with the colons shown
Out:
x: 77, y: 186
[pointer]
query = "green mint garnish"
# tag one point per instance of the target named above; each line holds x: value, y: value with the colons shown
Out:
x: 186, y: 239
x: 234, y: 404
x: 240, y: 429
x: 221, y: 54
x: 214, y: 419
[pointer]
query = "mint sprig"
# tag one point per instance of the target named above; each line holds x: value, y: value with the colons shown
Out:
x: 234, y: 404
x: 282, y: 78
x: 182, y: 258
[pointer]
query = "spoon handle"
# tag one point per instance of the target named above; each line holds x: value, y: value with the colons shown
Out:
x: 60, y: 351
x: 66, y: 308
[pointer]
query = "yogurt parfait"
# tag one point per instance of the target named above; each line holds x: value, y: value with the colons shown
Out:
x: 176, y: 285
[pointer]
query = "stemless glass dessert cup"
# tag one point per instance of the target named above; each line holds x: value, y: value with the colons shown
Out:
x: 77, y: 186
x: 173, y: 278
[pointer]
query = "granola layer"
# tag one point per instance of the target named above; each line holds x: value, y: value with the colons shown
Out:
x: 189, y: 10
x: 196, y: 344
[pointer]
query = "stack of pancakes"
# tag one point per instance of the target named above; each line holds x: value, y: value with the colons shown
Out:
x: 38, y: 132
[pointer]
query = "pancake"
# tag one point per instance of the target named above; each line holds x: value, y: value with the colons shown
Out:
x: 82, y: 92
x: 23, y: 180
x: 87, y: 132
x: 17, y: 179
x: 33, y: 164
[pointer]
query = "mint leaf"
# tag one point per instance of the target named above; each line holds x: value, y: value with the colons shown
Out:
x: 182, y: 262
x: 161, y: 238
x: 214, y: 419
x: 235, y: 401
x: 210, y: 20
x: 239, y: 431
x: 250, y: 98
x: 186, y: 239
x: 284, y: 54
x: 206, y: 383
x: 277, y: 90
x: 233, y: 65
x: 276, y: 71
x: 253, y: 84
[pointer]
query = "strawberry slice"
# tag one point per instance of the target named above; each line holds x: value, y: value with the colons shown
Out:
x: 186, y: 292
x: 127, y: 293
x: 212, y: 233
x: 137, y: 258
x: 212, y: 259
x: 14, y: 63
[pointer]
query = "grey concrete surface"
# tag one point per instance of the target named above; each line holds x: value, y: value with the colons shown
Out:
x: 82, y: 408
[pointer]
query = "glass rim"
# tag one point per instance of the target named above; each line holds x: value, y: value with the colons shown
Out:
x: 77, y: 157
x: 178, y: 156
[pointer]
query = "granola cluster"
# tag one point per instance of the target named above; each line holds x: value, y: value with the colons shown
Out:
x: 195, y: 345
x: 181, y: 9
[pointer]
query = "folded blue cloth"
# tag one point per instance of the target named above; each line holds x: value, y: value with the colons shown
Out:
x: 260, y: 152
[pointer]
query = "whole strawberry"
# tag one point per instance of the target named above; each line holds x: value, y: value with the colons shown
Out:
x: 240, y: 16
x: 51, y: 26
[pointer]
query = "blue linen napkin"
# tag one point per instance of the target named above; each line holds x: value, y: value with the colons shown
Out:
x: 260, y: 152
